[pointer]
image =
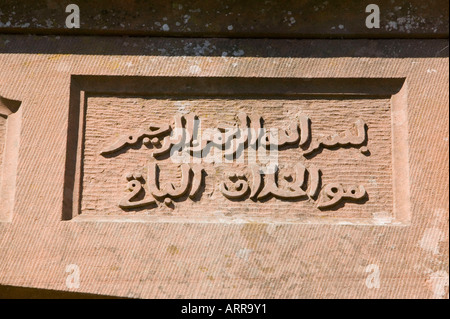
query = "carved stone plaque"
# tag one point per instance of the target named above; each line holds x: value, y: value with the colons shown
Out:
x: 334, y: 158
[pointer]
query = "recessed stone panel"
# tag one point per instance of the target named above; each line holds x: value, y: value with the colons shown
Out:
x: 338, y: 169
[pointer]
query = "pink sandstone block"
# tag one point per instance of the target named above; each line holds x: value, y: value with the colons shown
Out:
x: 363, y: 215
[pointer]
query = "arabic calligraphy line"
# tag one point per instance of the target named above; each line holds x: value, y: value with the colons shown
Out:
x: 190, y: 185
x: 182, y: 134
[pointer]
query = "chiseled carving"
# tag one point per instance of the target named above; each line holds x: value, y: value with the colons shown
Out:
x: 347, y: 138
x: 294, y: 190
x: 155, y: 190
x: 334, y: 193
x: 291, y: 183
x: 135, y: 186
x: 240, y: 186
x: 149, y: 136
x: 264, y: 187
x: 248, y: 131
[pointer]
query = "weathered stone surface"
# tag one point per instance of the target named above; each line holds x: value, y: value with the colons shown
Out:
x: 229, y: 18
x: 74, y: 103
